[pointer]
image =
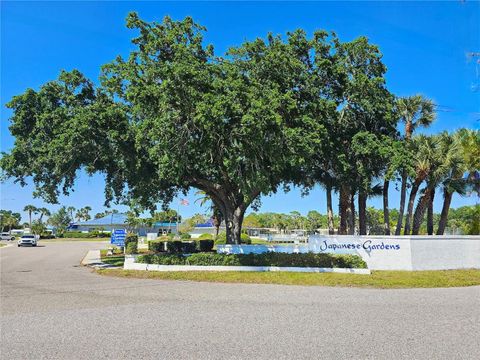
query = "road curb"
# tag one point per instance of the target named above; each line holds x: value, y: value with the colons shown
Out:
x: 93, y: 259
x: 6, y: 246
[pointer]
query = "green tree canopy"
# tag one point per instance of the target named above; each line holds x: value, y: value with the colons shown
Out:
x: 172, y: 115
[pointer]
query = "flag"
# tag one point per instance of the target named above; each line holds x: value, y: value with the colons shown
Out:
x: 184, y: 202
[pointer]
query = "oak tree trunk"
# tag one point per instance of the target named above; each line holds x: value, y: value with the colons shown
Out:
x: 444, y: 215
x: 233, y: 222
x: 386, y: 211
x: 331, y: 225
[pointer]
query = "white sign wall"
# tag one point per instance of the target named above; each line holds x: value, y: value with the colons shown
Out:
x: 386, y: 252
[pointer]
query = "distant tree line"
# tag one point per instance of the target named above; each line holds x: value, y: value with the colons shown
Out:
x: 463, y: 220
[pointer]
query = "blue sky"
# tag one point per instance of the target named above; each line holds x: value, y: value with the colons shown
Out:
x: 425, y: 46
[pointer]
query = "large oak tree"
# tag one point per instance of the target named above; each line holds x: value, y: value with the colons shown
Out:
x: 172, y: 116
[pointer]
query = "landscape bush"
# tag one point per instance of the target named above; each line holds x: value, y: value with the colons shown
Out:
x: 47, y: 236
x: 131, y: 244
x: 265, y: 259
x: 89, y: 235
x: 156, y: 245
x: 204, y: 245
x: 172, y: 246
x: 222, y: 238
x: 205, y: 236
x: 245, y: 239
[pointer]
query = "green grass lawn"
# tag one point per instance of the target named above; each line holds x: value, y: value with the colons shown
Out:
x: 117, y: 259
x: 378, y: 279
x: 76, y: 239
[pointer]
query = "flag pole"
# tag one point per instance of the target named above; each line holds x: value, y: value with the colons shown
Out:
x: 178, y: 211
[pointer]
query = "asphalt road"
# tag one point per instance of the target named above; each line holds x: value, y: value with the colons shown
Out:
x: 52, y: 308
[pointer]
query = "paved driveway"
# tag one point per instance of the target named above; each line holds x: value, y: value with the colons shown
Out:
x: 53, y: 308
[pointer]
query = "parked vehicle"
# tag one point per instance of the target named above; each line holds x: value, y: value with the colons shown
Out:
x: 28, y: 239
x: 6, y: 236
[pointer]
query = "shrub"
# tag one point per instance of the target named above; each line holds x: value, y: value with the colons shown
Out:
x: 89, y: 235
x: 131, y: 248
x: 206, y: 237
x: 245, y: 239
x: 189, y: 247
x: 265, y: 259
x: 222, y: 239
x: 185, y: 236
x: 156, y: 245
x: 162, y: 259
x: 131, y: 244
x: 205, y: 245
x: 47, y: 236
x: 174, y: 247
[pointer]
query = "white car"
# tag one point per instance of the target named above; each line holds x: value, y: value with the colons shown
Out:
x: 28, y: 239
x: 7, y: 236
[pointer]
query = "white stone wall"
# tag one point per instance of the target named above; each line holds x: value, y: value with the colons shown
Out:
x: 387, y: 252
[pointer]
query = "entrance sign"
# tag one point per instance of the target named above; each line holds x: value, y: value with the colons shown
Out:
x: 385, y: 252
x: 118, y: 237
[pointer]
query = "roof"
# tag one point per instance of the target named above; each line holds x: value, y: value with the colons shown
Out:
x: 209, y: 223
x: 111, y: 219
x: 165, y: 224
x: 117, y: 219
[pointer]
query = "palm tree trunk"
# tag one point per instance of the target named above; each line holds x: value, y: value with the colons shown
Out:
x: 403, y: 193
x: 362, y: 208
x: 386, y: 211
x: 30, y: 218
x: 430, y: 213
x: 411, y: 202
x: 444, y: 215
x: 420, y: 212
x: 331, y: 225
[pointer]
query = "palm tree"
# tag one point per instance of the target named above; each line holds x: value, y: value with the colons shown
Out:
x: 8, y: 219
x: 83, y: 213
x: 43, y: 212
x: 415, y: 111
x: 424, y: 148
x: 466, y: 145
x: 71, y: 210
x: 30, y: 209
x: 444, y: 157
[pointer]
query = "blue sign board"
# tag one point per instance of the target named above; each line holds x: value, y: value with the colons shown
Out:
x: 118, y: 237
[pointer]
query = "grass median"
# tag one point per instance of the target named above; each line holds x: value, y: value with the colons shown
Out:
x: 378, y: 279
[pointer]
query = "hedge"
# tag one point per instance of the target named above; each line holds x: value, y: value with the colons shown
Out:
x: 205, y: 236
x: 204, y: 245
x: 89, y: 235
x: 222, y: 239
x: 265, y: 259
x: 131, y: 244
x: 173, y: 247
